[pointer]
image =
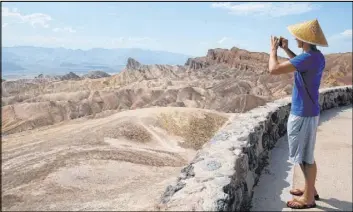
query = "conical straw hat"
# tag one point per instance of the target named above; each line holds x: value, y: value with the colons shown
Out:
x: 309, y: 32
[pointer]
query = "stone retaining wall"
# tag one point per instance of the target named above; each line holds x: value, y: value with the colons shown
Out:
x: 224, y: 172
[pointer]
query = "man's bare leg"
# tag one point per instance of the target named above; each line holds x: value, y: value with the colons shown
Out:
x: 308, y: 197
x: 310, y: 176
x: 302, y: 167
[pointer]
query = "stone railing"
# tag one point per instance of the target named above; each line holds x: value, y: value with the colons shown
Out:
x: 224, y: 172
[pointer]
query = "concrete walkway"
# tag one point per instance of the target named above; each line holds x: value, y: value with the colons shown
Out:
x: 333, y: 154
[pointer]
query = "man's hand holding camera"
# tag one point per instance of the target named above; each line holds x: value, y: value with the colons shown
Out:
x: 274, y: 66
x: 278, y: 42
x: 283, y: 43
x: 274, y: 43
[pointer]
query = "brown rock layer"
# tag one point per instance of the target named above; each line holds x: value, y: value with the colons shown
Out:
x: 229, y: 81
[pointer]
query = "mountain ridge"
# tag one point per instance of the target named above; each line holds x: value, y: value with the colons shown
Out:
x: 30, y: 60
x: 230, y: 81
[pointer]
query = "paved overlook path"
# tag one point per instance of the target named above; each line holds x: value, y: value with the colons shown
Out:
x: 333, y: 154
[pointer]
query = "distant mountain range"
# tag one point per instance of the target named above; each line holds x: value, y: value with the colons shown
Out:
x: 29, y: 61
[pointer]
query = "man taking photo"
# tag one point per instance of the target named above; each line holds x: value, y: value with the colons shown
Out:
x: 305, y: 109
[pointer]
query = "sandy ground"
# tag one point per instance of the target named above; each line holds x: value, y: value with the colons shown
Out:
x: 120, y: 162
x: 333, y: 153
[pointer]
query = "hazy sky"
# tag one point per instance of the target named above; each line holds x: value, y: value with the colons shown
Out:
x: 188, y: 28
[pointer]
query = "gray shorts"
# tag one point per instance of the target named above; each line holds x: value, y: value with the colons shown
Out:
x: 302, y: 138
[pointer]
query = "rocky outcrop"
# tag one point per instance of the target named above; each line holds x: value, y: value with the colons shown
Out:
x: 136, y: 72
x: 223, y: 174
x: 234, y: 58
x: 95, y: 75
x: 132, y: 64
x: 69, y: 76
x: 40, y: 76
x: 197, y: 63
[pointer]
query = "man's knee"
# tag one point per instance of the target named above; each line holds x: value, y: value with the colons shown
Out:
x: 310, y: 166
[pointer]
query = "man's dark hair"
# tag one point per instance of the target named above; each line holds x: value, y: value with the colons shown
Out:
x: 313, y: 47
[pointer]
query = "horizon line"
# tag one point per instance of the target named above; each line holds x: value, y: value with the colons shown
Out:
x: 83, y: 49
x: 144, y: 49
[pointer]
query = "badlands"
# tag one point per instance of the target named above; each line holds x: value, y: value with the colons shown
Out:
x: 116, y: 142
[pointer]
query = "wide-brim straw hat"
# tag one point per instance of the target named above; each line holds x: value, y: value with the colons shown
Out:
x: 309, y: 32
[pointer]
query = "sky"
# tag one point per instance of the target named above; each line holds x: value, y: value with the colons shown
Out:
x: 189, y: 28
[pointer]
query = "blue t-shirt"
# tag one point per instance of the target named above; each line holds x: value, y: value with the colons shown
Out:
x: 310, y: 66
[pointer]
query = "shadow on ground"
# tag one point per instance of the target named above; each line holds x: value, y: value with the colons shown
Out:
x: 335, y: 205
x: 332, y: 113
x: 272, y: 190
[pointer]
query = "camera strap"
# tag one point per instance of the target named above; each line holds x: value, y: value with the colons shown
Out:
x: 306, y: 87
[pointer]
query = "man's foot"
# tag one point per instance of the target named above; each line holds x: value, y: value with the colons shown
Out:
x: 301, y: 204
x: 300, y: 192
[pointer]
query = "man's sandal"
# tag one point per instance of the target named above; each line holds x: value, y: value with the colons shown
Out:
x: 299, y: 205
x: 298, y: 192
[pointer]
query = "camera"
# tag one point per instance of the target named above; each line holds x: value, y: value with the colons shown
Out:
x: 280, y: 42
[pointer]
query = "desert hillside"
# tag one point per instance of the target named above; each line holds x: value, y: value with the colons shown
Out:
x: 105, y: 163
x: 230, y: 81
x: 338, y: 70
